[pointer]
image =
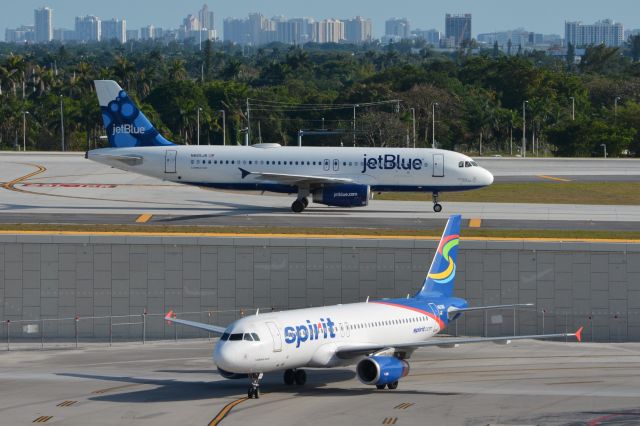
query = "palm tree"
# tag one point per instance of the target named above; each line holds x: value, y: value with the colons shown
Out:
x: 177, y: 71
x: 124, y: 70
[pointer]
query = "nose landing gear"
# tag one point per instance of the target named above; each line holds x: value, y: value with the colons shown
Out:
x: 254, y: 387
x: 437, y: 207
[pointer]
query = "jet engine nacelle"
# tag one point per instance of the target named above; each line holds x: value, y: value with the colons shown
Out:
x: 381, y: 370
x: 347, y: 195
x: 230, y: 375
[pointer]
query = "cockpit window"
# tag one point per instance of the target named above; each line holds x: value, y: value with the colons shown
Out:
x: 225, y: 337
x: 467, y: 164
x: 461, y: 164
x: 474, y: 164
x: 235, y: 336
x: 247, y: 336
x: 255, y: 337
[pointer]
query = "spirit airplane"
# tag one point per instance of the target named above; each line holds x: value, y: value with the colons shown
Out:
x: 378, y: 336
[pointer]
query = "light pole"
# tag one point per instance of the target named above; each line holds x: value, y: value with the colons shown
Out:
x: 524, y: 128
x: 354, y: 123
x: 433, y: 125
x: 199, y: 109
x: 413, y: 118
x: 224, y: 127
x: 24, y: 130
x: 573, y: 108
x: 603, y: 145
x: 62, y: 123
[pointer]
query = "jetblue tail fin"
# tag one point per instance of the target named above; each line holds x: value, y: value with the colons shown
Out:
x: 442, y: 273
x: 125, y: 124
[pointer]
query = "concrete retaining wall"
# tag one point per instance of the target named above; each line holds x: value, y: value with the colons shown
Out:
x: 591, y: 284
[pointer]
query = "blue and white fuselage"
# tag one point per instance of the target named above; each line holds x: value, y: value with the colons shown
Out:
x: 343, y: 177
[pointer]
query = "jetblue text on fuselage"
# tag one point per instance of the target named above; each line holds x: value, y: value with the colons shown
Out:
x: 128, y: 128
x: 324, y: 329
x: 391, y: 162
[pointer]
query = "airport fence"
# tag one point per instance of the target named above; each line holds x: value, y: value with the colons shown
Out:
x: 44, y: 333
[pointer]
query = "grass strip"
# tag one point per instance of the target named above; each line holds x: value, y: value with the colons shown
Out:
x: 601, y: 193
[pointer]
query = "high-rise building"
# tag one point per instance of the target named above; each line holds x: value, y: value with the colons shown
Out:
x: 358, y: 30
x: 114, y: 29
x: 148, y: 33
x: 88, y: 28
x: 206, y: 18
x: 432, y: 37
x: 43, y: 19
x: 458, y: 28
x: 235, y: 30
x: 22, y: 34
x: 288, y: 31
x: 607, y: 32
x: 191, y: 23
x: 329, y: 31
x: 64, y: 34
x: 398, y: 27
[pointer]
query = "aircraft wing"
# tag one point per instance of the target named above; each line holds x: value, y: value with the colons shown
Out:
x: 171, y: 317
x: 291, y: 179
x: 355, y: 350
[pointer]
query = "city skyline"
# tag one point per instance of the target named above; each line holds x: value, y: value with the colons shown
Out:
x: 503, y: 16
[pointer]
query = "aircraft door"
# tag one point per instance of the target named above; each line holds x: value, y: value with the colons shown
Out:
x: 170, y: 161
x: 276, y: 336
x: 327, y: 165
x: 336, y: 164
x: 438, y: 165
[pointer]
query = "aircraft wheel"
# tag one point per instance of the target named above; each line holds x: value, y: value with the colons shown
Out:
x: 300, y: 377
x: 437, y: 208
x: 289, y: 377
x: 305, y: 201
x: 379, y: 387
x: 297, y: 206
x: 393, y: 385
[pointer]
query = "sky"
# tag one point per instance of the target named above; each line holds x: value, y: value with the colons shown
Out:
x: 541, y: 16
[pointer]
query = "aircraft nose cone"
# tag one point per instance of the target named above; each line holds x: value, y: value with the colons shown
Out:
x: 223, y: 357
x: 487, y: 178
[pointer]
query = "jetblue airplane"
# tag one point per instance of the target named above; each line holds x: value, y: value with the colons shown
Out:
x: 341, y: 177
x: 378, y: 336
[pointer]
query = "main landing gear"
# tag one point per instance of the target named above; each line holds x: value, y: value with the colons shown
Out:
x: 301, y: 202
x: 437, y: 207
x: 254, y: 387
x: 299, y: 377
x: 392, y: 385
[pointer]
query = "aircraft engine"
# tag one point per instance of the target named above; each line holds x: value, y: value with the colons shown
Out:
x: 347, y: 195
x: 381, y: 370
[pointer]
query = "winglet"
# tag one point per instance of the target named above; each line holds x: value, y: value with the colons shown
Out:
x: 170, y: 315
x: 244, y: 172
x: 579, y: 334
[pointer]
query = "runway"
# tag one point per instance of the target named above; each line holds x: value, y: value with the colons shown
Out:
x: 66, y: 188
x: 526, y: 383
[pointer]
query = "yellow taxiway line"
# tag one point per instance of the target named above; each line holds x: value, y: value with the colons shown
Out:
x: 554, y: 178
x: 314, y: 236
x: 225, y: 411
x: 144, y: 218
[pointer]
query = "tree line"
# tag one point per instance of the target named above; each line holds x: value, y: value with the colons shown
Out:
x: 467, y: 101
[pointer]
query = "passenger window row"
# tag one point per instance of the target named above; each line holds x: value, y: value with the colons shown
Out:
x: 274, y: 162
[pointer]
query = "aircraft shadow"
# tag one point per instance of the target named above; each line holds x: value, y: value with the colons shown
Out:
x: 319, y: 384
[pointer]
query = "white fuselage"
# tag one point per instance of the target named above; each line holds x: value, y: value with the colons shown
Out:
x: 383, y: 169
x: 310, y: 337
